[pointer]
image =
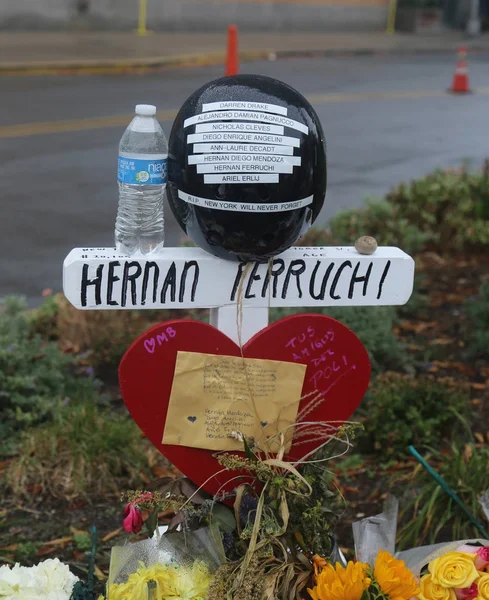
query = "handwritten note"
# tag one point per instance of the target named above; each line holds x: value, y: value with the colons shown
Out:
x: 216, y: 399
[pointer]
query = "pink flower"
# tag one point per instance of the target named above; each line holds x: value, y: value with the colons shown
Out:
x: 467, y: 593
x: 482, y: 555
x: 482, y: 558
x: 133, y: 519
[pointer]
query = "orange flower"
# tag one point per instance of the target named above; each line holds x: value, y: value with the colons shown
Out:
x: 395, y: 580
x: 338, y: 583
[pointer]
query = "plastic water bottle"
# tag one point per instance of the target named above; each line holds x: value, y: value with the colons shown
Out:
x: 142, y: 176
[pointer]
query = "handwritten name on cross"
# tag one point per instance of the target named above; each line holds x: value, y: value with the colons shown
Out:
x: 102, y: 279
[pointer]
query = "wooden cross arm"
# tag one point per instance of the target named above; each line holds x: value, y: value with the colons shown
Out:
x: 100, y: 278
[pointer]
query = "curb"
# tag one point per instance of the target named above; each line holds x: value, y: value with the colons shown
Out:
x: 144, y: 65
x: 107, y: 67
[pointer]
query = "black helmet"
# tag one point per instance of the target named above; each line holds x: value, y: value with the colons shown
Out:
x: 247, y: 167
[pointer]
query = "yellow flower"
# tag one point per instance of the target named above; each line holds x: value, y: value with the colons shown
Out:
x: 341, y: 583
x: 178, y: 583
x: 434, y: 591
x: 454, y: 569
x: 394, y: 578
x: 483, y: 585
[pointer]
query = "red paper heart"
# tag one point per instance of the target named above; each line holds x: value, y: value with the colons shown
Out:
x: 337, y: 365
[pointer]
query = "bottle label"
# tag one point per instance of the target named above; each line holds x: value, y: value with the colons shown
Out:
x: 139, y: 171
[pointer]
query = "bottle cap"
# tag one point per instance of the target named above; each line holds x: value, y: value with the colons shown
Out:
x: 146, y: 110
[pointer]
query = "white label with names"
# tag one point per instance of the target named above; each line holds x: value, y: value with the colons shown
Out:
x: 233, y: 105
x: 243, y: 137
x: 247, y: 148
x: 244, y: 127
x: 250, y: 159
x: 248, y: 178
x: 224, y: 115
x: 246, y: 168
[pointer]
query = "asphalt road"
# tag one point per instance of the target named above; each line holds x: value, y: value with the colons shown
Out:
x: 387, y: 119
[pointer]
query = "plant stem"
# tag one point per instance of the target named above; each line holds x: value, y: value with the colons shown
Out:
x: 445, y: 487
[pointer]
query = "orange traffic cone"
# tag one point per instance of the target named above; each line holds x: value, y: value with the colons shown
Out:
x: 460, y: 84
x: 232, y: 61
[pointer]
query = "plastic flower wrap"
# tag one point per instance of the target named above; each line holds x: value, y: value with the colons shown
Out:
x: 178, y: 566
x: 376, y: 533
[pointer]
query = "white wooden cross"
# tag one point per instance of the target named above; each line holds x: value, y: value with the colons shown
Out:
x: 102, y: 279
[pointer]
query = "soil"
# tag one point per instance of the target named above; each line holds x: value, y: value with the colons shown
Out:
x: 435, y: 330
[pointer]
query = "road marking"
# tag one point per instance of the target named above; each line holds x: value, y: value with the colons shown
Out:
x: 48, y: 127
x: 51, y: 127
x: 300, y: 3
x: 359, y: 96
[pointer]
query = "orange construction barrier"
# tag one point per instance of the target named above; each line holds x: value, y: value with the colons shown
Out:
x: 460, y: 84
x: 232, y: 60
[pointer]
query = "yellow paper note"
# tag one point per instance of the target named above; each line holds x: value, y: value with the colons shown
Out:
x: 215, y: 399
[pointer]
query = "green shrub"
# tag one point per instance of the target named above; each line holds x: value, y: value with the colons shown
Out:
x: 451, y: 206
x: 379, y: 219
x: 85, y: 451
x: 35, y: 376
x: 43, y: 320
x: 446, y: 211
x: 431, y: 515
x: 478, y: 311
x: 400, y: 410
x: 372, y: 324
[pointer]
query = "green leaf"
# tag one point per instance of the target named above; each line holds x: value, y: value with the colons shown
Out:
x: 224, y: 517
x: 152, y: 522
x: 248, y: 452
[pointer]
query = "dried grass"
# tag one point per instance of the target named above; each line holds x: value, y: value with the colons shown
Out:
x: 86, y: 452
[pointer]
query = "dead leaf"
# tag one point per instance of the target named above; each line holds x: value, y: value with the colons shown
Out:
x: 59, y: 541
x: 479, y: 437
x: 75, y: 531
x: 454, y: 366
x: 417, y: 327
x: 478, y: 386
x: 35, y: 489
x: 4, y: 464
x: 77, y: 505
x: 144, y: 477
x: 432, y: 259
x: 98, y: 573
x: 28, y: 510
x: 415, y: 348
x: 438, y: 298
x: 45, y: 550
x: 161, y: 472
x: 78, y: 555
x: 111, y: 535
x: 441, y: 342
x: 11, y: 548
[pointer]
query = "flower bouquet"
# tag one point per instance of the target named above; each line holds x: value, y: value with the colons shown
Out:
x: 386, y: 579
x: 455, y: 571
x: 263, y: 540
x: 48, y: 580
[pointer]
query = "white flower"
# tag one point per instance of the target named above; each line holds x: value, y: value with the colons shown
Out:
x: 49, y: 580
x: 10, y: 579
